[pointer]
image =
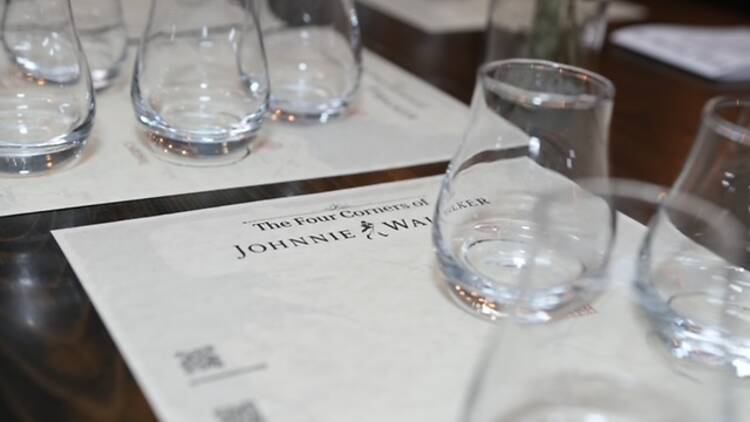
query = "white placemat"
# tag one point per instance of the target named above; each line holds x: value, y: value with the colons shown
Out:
x: 441, y: 16
x: 397, y: 121
x: 312, y: 321
x: 293, y: 309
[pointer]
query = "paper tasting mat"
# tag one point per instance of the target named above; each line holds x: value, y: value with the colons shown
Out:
x: 398, y: 120
x: 291, y: 309
x: 439, y: 16
x: 325, y: 307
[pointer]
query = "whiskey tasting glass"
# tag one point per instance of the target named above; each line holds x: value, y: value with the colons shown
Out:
x: 46, y: 98
x: 314, y: 57
x: 565, y: 31
x: 101, y: 29
x: 606, y: 361
x: 592, y: 367
x: 535, y: 126
x: 200, y: 86
x: 717, y: 170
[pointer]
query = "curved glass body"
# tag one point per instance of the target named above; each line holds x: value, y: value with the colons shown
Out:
x: 314, y: 57
x: 46, y: 97
x: 718, y: 170
x: 200, y: 86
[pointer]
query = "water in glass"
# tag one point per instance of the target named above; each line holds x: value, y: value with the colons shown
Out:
x: 537, y: 126
x: 46, y: 97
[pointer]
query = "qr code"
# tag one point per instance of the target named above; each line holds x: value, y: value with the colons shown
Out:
x: 243, y: 412
x: 200, y: 359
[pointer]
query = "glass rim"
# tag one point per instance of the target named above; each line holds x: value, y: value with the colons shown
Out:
x: 724, y: 127
x: 608, y: 88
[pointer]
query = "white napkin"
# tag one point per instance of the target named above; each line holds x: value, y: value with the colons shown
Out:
x: 718, y: 53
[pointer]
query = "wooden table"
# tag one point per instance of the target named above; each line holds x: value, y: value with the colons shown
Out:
x: 57, y: 361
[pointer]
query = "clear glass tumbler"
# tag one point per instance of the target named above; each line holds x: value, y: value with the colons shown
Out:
x: 605, y: 362
x: 718, y: 170
x: 101, y: 29
x: 46, y: 97
x: 314, y: 57
x: 535, y: 126
x: 200, y: 85
x: 565, y: 31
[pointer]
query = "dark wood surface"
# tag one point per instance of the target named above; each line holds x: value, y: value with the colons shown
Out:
x: 57, y: 361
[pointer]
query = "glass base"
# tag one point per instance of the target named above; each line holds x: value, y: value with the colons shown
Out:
x: 572, y: 413
x: 33, y: 159
x: 705, y: 346
x: 581, y: 396
x: 103, y: 79
x: 181, y: 152
x: 477, y: 304
x: 488, y: 280
x: 284, y: 112
x: 31, y: 164
x: 702, y: 327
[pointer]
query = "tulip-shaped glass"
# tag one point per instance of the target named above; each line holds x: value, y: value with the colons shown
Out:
x: 314, y: 57
x: 717, y: 170
x: 535, y: 126
x: 46, y: 97
x: 200, y: 86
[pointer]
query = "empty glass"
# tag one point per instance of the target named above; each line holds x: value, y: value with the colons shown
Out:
x: 565, y: 31
x: 46, y: 96
x: 535, y: 126
x: 314, y: 57
x: 605, y: 362
x: 200, y: 86
x: 592, y: 368
x: 101, y: 29
x: 718, y: 170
